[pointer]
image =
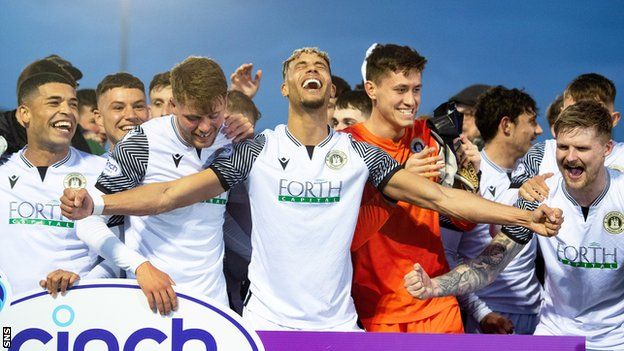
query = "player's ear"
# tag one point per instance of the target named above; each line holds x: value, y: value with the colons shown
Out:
x: 284, y: 89
x: 608, y: 148
x: 615, y: 118
x: 23, y: 114
x: 371, y: 90
x: 504, y: 126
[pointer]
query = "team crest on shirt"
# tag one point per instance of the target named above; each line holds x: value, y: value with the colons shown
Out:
x: 417, y: 145
x: 614, y: 222
x: 335, y: 159
x: 75, y: 181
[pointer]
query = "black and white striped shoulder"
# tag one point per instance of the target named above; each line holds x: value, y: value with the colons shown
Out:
x: 529, y: 166
x: 127, y: 164
x: 234, y: 167
x: 381, y: 166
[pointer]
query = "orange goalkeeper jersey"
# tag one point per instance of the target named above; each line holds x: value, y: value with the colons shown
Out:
x: 389, y: 239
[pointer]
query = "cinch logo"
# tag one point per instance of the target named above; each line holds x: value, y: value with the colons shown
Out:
x: 319, y: 191
x: 63, y: 316
x: 38, y: 214
x: 592, y: 256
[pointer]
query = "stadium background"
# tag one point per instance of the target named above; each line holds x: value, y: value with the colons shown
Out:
x: 536, y: 45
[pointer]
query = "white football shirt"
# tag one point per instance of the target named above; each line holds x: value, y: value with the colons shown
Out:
x: 34, y: 236
x: 304, y: 206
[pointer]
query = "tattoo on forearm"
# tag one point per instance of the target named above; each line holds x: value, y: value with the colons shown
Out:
x: 479, y: 272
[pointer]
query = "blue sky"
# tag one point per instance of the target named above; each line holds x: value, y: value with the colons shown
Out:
x: 536, y: 45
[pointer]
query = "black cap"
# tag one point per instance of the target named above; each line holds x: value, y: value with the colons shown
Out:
x: 75, y: 72
x: 41, y: 67
x: 469, y: 95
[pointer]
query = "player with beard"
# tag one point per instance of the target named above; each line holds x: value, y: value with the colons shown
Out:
x: 305, y: 184
x: 584, y: 285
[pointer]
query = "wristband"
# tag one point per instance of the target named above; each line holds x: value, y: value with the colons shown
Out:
x: 98, y: 205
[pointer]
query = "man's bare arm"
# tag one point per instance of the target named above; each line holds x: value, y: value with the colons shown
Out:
x: 460, y: 204
x: 148, y: 199
x: 471, y: 276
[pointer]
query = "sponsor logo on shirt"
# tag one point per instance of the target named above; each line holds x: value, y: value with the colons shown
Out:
x: 335, y: 159
x: 35, y: 213
x: 111, y: 169
x: 314, y: 192
x: 592, y: 256
x: 12, y: 180
x: 613, y: 222
x: 492, y: 190
x: 284, y: 162
x: 176, y: 159
x: 219, y: 200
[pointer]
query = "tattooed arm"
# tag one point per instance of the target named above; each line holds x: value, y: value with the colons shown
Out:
x: 468, y: 277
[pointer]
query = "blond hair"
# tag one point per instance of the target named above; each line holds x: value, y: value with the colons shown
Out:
x: 306, y: 50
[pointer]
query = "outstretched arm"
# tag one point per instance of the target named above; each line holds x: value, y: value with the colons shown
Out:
x: 404, y: 186
x: 148, y: 199
x: 468, y: 277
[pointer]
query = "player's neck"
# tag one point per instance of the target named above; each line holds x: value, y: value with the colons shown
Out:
x: 588, y: 194
x: 40, y: 156
x: 308, y: 126
x: 502, y: 155
x: 379, y: 126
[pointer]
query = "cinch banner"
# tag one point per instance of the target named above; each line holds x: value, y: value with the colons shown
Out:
x: 113, y: 315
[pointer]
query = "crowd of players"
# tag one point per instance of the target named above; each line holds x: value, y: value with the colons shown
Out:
x: 349, y: 216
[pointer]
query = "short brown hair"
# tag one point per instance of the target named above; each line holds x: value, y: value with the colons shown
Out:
x: 585, y: 114
x: 118, y: 80
x: 159, y: 81
x: 238, y: 102
x: 306, y: 50
x: 198, y: 82
x: 392, y: 58
x: 591, y: 86
x: 554, y: 109
x: 357, y: 99
x: 86, y: 98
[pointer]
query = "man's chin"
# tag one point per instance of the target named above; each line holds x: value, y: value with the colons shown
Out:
x: 313, y: 104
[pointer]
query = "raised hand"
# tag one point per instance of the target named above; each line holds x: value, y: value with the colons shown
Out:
x: 535, y: 189
x: 238, y: 127
x: 468, y: 153
x: 494, y: 323
x: 76, y: 203
x: 242, y: 81
x: 425, y: 163
x: 157, y: 287
x: 59, y: 280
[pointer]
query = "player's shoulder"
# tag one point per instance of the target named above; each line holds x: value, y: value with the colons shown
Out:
x: 87, y: 160
x: 157, y: 125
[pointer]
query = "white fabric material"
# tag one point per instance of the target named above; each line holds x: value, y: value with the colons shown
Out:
x: 98, y: 205
x: 300, y: 268
x: 584, y: 286
x: 186, y: 243
x: 516, y: 289
x: 95, y: 233
x: 34, y: 236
